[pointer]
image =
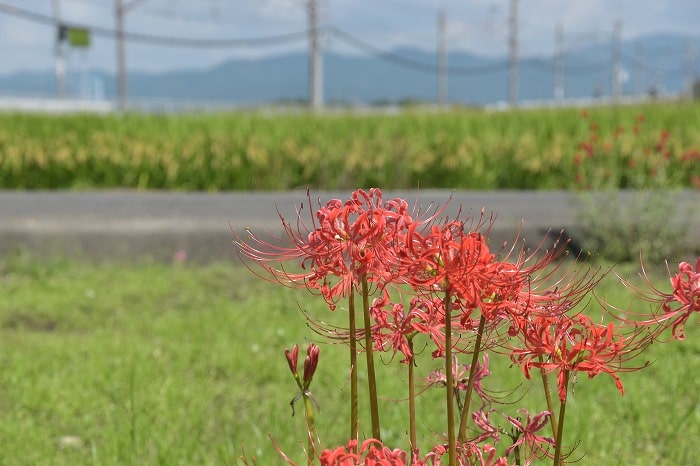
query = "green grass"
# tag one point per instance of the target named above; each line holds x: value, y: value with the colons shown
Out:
x: 106, y: 364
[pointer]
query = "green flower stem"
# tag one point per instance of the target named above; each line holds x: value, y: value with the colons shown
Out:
x: 548, y: 397
x: 311, y: 426
x: 354, y: 416
x: 470, y: 382
x: 451, y: 446
x: 560, y: 430
x: 413, y: 438
x: 369, y: 351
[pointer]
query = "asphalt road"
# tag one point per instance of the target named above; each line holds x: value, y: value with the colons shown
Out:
x: 124, y: 225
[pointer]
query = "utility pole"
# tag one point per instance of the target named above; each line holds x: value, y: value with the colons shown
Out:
x: 58, y: 53
x: 442, y: 59
x: 559, y: 64
x: 689, y: 65
x: 616, y: 83
x: 315, y: 59
x: 640, y: 74
x: 513, y: 55
x: 120, y: 9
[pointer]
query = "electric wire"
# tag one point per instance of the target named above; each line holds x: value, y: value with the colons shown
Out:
x: 416, y: 65
x: 155, y: 39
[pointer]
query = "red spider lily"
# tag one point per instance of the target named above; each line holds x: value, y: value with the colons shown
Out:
x: 500, y: 287
x: 460, y: 376
x: 489, y: 431
x: 468, y: 454
x: 685, y: 299
x: 445, y: 259
x: 552, y: 293
x: 374, y: 453
x: 346, y: 241
x: 371, y: 453
x: 341, y: 456
x: 394, y: 326
x: 575, y: 344
x: 676, y: 307
x: 429, y: 319
x: 526, y: 434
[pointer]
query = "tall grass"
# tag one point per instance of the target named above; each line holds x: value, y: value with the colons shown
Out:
x: 468, y: 149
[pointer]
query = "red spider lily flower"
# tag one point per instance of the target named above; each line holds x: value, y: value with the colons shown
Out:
x: 551, y: 293
x: 500, y: 287
x: 537, y: 445
x: 437, y: 377
x: 468, y: 454
x: 489, y: 431
x: 682, y: 302
x: 675, y: 308
x: 576, y: 344
x: 371, y: 453
x: 346, y: 241
x: 685, y: 299
x: 341, y: 456
x: 491, y: 459
x: 429, y: 319
x: 446, y: 259
x: 460, y: 376
x: 534, y: 282
x: 394, y: 326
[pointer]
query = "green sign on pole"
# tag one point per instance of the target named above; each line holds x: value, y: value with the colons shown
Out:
x: 78, y: 37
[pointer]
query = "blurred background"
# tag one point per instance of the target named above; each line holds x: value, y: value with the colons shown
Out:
x: 173, y: 55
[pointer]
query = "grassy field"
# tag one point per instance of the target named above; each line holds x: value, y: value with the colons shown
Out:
x: 148, y: 363
x: 647, y: 146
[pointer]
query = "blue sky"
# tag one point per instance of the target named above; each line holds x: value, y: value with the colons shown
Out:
x: 478, y: 26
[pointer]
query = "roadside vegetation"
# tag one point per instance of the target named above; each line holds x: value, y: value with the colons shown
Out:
x: 649, y: 146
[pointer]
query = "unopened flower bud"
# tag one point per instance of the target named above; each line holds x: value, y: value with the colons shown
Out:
x: 292, y: 357
x: 310, y: 363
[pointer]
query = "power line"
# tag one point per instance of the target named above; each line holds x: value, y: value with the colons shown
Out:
x: 406, y: 62
x: 166, y: 41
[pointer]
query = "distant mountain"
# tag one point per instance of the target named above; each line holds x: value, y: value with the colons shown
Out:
x: 657, y: 62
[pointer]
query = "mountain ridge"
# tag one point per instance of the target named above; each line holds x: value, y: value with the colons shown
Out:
x: 659, y: 64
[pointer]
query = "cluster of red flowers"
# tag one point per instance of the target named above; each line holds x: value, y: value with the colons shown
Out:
x: 456, y: 282
x: 346, y: 241
x: 569, y: 345
x: 373, y: 453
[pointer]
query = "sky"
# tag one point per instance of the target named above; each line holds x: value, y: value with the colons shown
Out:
x: 477, y: 26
